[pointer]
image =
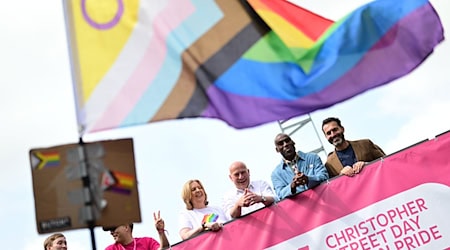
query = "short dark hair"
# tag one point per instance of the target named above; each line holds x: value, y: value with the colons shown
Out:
x: 332, y: 119
x: 112, y: 228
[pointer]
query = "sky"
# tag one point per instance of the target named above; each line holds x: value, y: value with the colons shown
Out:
x: 36, y: 100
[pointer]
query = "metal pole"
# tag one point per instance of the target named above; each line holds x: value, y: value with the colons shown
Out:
x: 318, y: 136
x: 86, y: 184
x: 91, y: 229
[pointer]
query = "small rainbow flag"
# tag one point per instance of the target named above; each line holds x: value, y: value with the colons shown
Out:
x: 47, y: 159
x: 210, y: 218
x: 124, y: 183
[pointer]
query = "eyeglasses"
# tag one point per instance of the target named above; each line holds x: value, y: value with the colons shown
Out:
x: 282, y: 142
x: 112, y: 229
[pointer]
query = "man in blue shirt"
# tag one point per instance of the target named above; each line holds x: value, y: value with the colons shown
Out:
x: 297, y: 171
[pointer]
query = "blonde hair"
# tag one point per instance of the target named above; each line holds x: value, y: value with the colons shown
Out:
x: 186, y: 194
x: 51, y: 238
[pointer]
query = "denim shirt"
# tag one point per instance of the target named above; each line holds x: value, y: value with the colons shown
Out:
x: 309, y: 164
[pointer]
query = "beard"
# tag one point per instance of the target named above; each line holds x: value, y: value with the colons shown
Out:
x: 337, y: 140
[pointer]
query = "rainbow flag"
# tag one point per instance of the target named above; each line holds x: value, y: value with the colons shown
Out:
x: 210, y: 218
x: 47, y: 159
x: 124, y: 183
x: 244, y: 62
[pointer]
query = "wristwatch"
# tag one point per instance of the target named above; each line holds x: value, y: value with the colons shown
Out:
x: 263, y: 198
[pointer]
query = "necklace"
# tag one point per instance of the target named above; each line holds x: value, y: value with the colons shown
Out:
x: 134, y: 245
x: 293, y: 164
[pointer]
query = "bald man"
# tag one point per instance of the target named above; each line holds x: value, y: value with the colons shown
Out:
x: 297, y: 171
x: 247, y: 196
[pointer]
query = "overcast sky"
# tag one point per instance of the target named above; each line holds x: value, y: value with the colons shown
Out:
x: 37, y: 104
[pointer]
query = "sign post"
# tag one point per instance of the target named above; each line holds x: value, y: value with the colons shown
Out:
x: 84, y: 185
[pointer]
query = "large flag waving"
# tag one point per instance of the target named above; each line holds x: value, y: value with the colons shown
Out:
x: 246, y: 63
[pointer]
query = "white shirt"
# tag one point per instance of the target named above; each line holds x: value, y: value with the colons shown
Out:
x: 193, y: 218
x: 258, y: 187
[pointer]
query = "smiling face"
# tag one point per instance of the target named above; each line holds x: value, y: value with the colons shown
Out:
x: 285, y: 146
x: 59, y: 243
x: 121, y: 234
x: 239, y: 175
x: 194, y: 195
x: 117, y: 233
x: 198, y: 197
x: 334, y: 134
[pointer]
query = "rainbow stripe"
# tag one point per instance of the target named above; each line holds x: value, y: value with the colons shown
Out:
x: 210, y: 218
x: 357, y: 53
x: 47, y: 159
x: 124, y: 183
x: 244, y: 62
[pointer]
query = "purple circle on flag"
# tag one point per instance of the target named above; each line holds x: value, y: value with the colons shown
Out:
x: 103, y: 26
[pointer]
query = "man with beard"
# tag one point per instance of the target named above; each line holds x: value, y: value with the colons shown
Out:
x: 297, y: 171
x: 349, y: 157
x: 124, y: 240
x: 247, y: 196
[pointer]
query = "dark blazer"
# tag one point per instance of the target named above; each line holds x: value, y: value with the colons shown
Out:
x: 365, y: 150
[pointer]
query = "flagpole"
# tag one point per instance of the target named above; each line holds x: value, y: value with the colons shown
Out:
x: 89, y: 204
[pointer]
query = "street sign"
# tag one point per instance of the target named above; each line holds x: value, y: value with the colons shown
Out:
x: 81, y: 182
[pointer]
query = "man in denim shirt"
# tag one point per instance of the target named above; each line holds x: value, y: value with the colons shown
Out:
x: 297, y: 171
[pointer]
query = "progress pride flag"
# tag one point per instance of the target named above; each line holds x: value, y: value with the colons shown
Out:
x: 397, y: 203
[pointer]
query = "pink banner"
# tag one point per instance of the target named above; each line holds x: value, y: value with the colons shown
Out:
x: 397, y: 203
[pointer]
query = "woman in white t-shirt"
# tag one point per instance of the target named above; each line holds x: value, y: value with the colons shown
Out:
x: 199, y: 216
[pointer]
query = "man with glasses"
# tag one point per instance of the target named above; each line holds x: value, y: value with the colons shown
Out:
x: 297, y: 171
x: 124, y: 240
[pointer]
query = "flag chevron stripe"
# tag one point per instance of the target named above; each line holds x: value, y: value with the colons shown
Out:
x: 88, y: 17
x: 220, y: 63
x: 186, y: 89
x: 113, y: 83
x: 153, y: 84
x: 155, y: 95
x: 259, y: 110
x: 219, y: 59
x: 47, y: 159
